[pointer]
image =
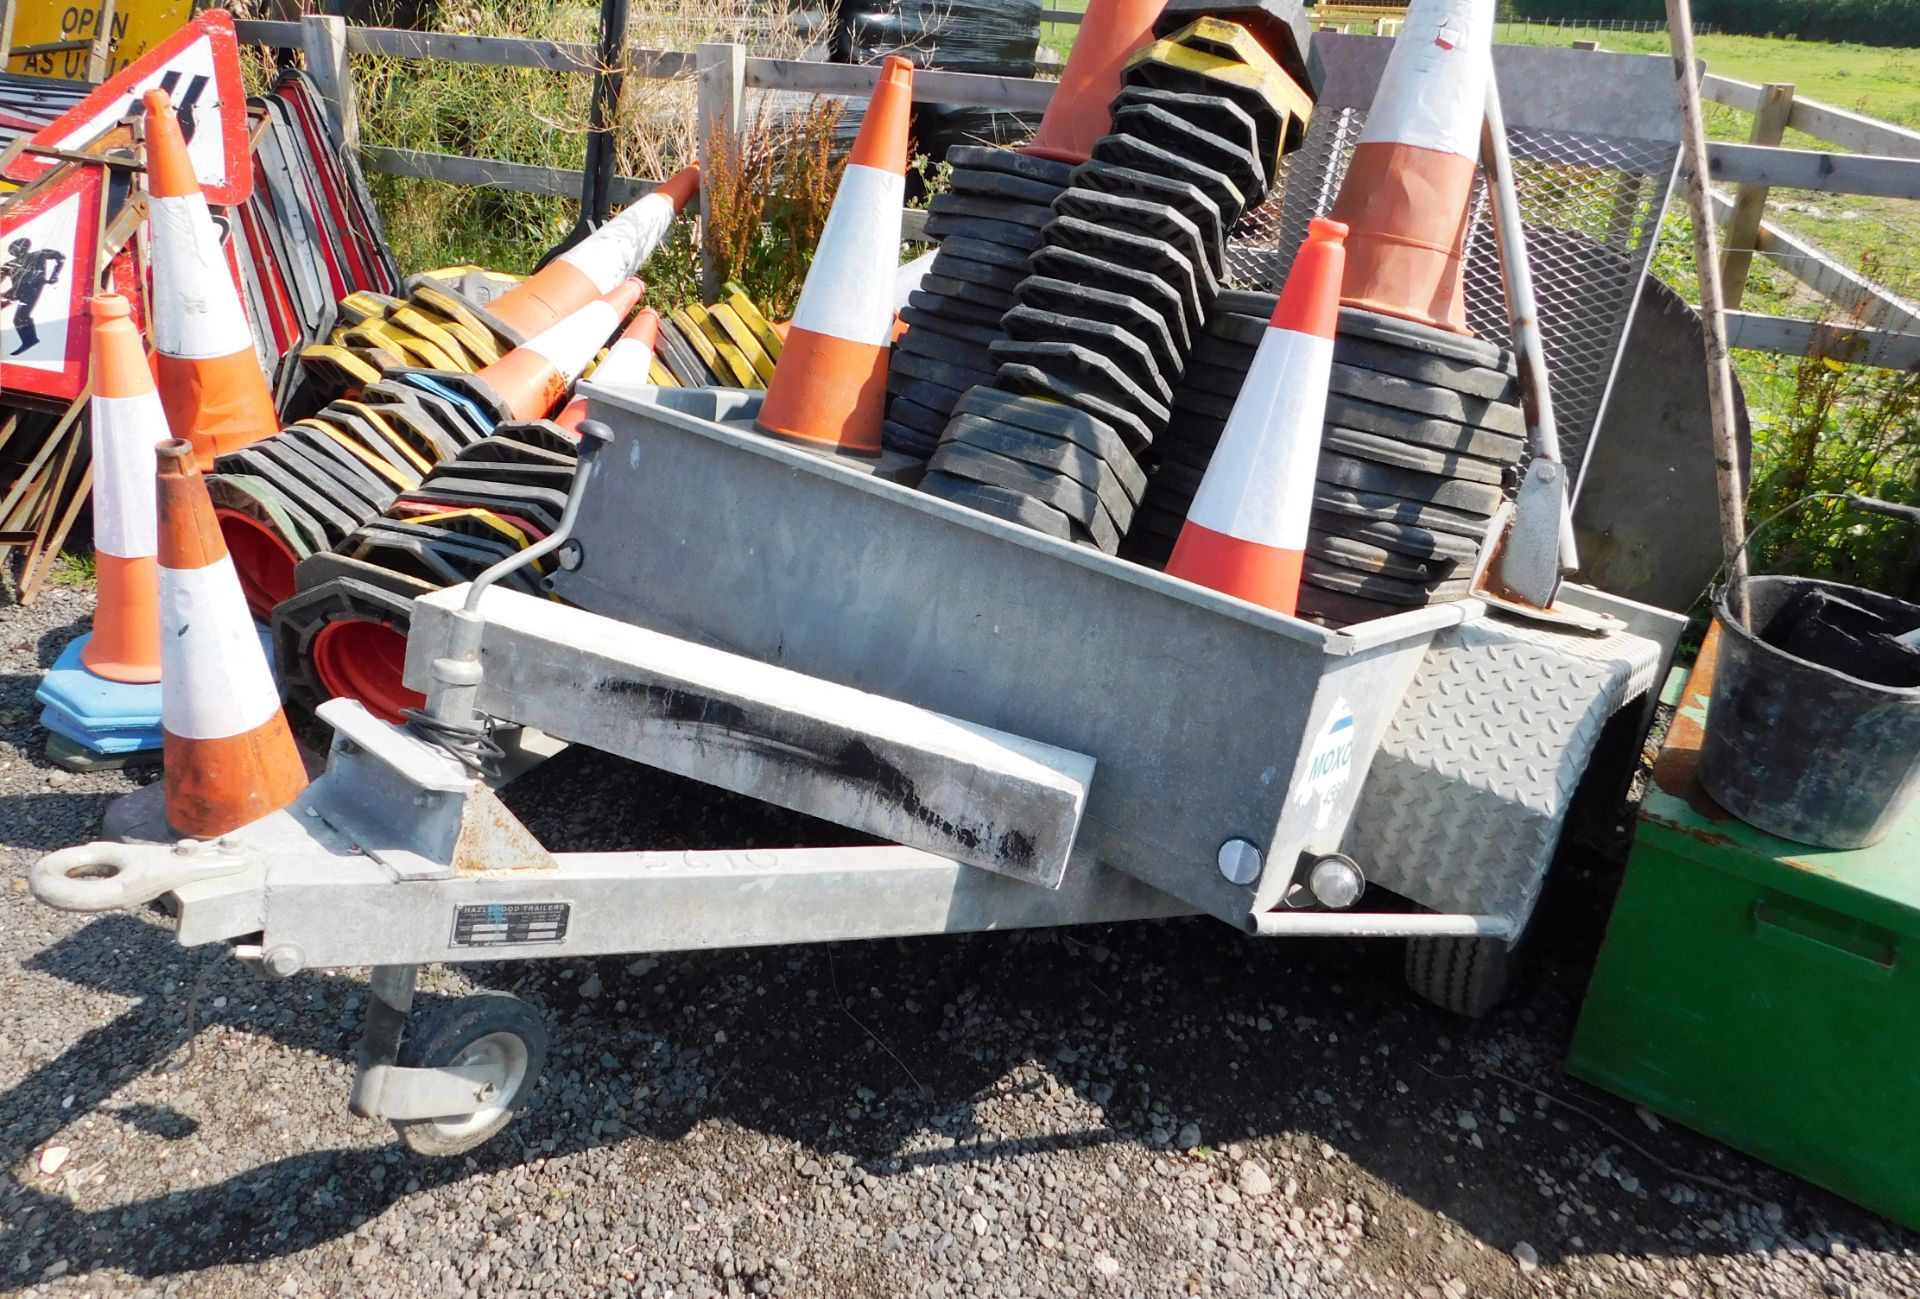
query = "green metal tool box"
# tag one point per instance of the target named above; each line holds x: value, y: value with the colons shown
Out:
x: 1761, y: 991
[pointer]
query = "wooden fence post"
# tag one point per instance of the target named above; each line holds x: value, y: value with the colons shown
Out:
x: 720, y: 100
x: 1750, y: 202
x: 323, y: 38
x: 99, y: 55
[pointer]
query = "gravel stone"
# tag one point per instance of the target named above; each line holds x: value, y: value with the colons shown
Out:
x: 978, y: 1117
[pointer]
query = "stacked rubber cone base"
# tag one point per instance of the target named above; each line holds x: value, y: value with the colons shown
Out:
x: 442, y: 324
x: 728, y: 343
x: 93, y: 723
x: 1126, y: 272
x: 1422, y: 440
x: 988, y: 226
x: 306, y: 489
x: 344, y: 631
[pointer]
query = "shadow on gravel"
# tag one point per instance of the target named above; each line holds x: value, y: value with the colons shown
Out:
x: 858, y: 1051
x: 46, y: 821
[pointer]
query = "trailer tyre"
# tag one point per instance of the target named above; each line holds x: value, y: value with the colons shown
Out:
x: 493, y: 1028
x: 1467, y: 976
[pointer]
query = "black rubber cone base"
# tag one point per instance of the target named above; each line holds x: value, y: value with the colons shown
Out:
x: 1235, y: 163
x: 1378, y: 586
x: 1036, y: 382
x: 935, y: 304
x: 1422, y: 430
x: 987, y: 297
x: 1369, y: 476
x: 1387, y: 451
x: 907, y: 441
x: 923, y: 419
x: 964, y: 331
x: 934, y: 396
x: 1356, y: 322
x: 1010, y: 234
x: 1076, y: 500
x: 1087, y: 368
x: 1188, y: 199
x: 1364, y: 557
x: 1125, y: 248
x: 1051, y: 454
x: 1045, y: 293
x: 1057, y: 420
x: 1144, y: 155
x: 1152, y: 219
x: 1001, y: 503
x: 1150, y: 291
x: 980, y: 250
x: 1479, y: 381
x: 948, y: 265
x: 1010, y: 161
x: 1129, y: 354
x: 1005, y: 186
x: 1382, y: 507
x: 1426, y: 399
x: 907, y: 367
x: 1401, y: 538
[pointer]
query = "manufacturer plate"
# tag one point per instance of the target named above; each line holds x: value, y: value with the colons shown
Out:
x: 510, y: 924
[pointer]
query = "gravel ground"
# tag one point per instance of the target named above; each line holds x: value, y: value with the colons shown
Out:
x: 1154, y: 1109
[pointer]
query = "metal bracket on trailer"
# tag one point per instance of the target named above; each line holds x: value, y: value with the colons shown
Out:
x: 901, y: 773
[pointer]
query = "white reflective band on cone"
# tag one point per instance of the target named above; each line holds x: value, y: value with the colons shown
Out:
x: 572, y: 342
x: 1434, y: 91
x: 196, y: 312
x: 907, y: 279
x: 849, y: 289
x: 627, y: 365
x: 125, y: 431
x: 1259, y: 485
x: 615, y: 251
x: 215, y: 679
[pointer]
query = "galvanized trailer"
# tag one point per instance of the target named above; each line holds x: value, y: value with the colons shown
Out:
x: 1040, y: 734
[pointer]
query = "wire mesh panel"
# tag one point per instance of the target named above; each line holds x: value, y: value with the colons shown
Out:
x: 1593, y: 167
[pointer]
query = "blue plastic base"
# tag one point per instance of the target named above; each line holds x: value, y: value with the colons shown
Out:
x: 95, y: 713
x: 101, y: 715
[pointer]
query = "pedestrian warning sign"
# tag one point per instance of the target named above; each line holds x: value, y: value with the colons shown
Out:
x: 48, y: 241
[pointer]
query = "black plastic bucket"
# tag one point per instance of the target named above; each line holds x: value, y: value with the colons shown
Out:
x: 1801, y: 750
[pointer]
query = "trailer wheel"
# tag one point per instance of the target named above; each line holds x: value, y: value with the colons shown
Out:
x: 493, y: 1028
x: 1467, y: 976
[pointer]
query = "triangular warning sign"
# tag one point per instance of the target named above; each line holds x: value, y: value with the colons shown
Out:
x: 199, y: 66
x: 48, y: 238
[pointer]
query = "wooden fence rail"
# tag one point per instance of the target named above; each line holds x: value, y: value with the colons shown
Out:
x: 1883, y: 162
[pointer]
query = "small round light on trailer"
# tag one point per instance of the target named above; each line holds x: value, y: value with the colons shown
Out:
x: 1336, y: 881
x: 1239, y: 861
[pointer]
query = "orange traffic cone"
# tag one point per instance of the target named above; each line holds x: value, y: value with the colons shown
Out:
x: 1080, y: 111
x: 624, y: 368
x: 534, y: 377
x: 1246, y: 532
x: 230, y: 758
x: 127, y: 423
x: 210, y: 379
x: 1407, y: 189
x: 629, y: 360
x: 596, y: 265
x: 829, y: 387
